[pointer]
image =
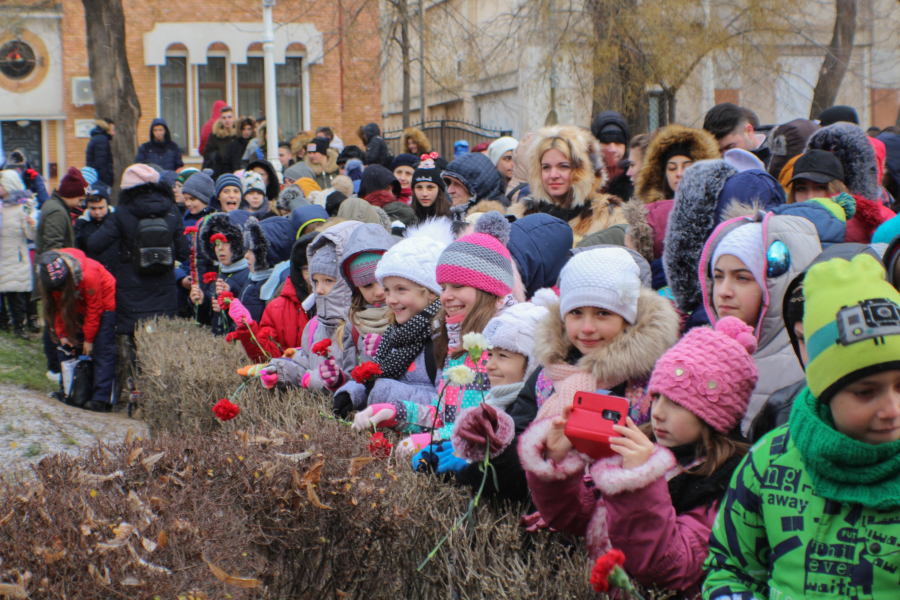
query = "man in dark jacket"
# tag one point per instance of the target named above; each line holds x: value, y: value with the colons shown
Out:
x: 235, y: 153
x: 377, y: 151
x: 99, y: 154
x: 160, y: 150
x: 98, y: 211
x: 215, y: 155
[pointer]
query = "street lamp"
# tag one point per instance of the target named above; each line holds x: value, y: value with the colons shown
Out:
x: 271, y: 99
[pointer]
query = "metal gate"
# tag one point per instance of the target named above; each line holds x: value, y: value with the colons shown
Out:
x: 443, y: 134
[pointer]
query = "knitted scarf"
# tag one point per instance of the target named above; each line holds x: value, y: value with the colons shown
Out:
x: 501, y: 396
x: 690, y: 491
x: 372, y: 319
x: 567, y: 381
x: 842, y: 469
x: 401, y: 344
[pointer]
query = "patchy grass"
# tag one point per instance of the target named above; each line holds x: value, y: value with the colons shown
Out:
x: 33, y: 450
x: 23, y: 363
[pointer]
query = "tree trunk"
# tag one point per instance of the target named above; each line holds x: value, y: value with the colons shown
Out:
x: 835, y: 64
x: 114, y: 94
x: 403, y: 14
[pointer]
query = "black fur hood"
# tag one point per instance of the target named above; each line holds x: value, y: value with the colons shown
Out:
x: 222, y: 223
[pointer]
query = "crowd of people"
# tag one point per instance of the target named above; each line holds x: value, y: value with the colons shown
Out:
x: 735, y: 287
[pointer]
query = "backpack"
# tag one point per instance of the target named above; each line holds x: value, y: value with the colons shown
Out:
x: 153, y: 252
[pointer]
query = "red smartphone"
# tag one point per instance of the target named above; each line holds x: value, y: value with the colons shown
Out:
x: 591, y: 422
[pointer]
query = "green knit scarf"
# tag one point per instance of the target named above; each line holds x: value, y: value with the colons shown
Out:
x: 843, y: 469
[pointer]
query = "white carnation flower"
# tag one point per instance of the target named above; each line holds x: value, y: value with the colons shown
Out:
x: 475, y: 342
x: 460, y: 375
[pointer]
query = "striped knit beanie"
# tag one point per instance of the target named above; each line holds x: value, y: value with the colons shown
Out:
x: 225, y: 180
x: 362, y: 268
x: 480, y: 259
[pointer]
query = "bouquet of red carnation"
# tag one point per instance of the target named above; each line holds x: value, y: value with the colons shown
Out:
x: 218, y: 237
x: 365, y: 372
x: 225, y: 410
x: 322, y: 348
x: 210, y: 277
x: 379, y: 447
x: 608, y: 571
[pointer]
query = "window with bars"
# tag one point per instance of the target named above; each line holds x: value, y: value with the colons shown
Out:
x: 289, y: 92
x: 173, y: 98
x: 210, y: 85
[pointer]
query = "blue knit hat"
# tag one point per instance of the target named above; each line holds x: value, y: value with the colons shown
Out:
x: 200, y: 186
x: 225, y: 180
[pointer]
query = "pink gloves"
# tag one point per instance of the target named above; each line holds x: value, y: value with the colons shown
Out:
x: 413, y: 444
x: 239, y: 314
x: 371, y: 342
x: 375, y: 414
x: 331, y: 374
x: 269, y: 379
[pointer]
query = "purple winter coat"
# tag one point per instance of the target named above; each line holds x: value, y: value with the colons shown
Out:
x: 634, y: 515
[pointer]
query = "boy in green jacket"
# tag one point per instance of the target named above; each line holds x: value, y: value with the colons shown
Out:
x: 814, y: 509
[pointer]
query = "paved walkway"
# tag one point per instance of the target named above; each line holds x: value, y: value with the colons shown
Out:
x: 33, y: 425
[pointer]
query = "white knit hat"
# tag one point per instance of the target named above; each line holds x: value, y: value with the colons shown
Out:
x: 415, y: 257
x: 513, y: 330
x: 10, y: 181
x: 606, y: 278
x: 745, y: 243
x: 501, y: 146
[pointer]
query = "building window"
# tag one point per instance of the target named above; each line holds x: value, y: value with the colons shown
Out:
x: 173, y: 98
x: 290, y: 95
x: 17, y: 59
x: 210, y: 84
x: 658, y: 114
x: 289, y: 92
x: 251, y: 88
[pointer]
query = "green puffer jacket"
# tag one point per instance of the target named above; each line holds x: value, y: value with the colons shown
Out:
x: 775, y: 539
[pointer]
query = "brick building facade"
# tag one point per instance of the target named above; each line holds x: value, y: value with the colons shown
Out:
x: 183, y: 56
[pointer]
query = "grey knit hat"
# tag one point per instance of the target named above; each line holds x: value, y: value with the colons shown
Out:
x: 291, y: 198
x: 200, y: 186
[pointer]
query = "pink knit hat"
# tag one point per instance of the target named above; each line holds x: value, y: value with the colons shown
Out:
x: 480, y: 259
x: 710, y: 373
x: 139, y: 174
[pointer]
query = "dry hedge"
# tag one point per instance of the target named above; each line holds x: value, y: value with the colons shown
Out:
x: 279, y: 503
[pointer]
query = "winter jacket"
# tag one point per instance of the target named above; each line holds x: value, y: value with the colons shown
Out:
x: 234, y: 156
x: 84, y: 229
x: 191, y: 219
x: 775, y: 538
x: 166, y: 153
x: 539, y: 245
x: 588, y: 211
x: 15, y: 257
x: 415, y: 386
x: 273, y: 188
x: 627, y: 509
x: 829, y: 219
x: 332, y: 318
x: 281, y: 326
x: 325, y: 175
x: 54, y: 230
x: 216, y: 112
x: 775, y: 359
x: 98, y: 154
x: 238, y: 279
x: 215, y: 156
x: 33, y: 181
x: 96, y: 294
x: 377, y: 151
x: 271, y: 242
x: 306, y: 215
x: 375, y: 178
x: 141, y: 296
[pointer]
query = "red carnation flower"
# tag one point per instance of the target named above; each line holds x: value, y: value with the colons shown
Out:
x: 218, y: 237
x: 230, y: 337
x: 321, y: 348
x: 225, y: 298
x: 365, y: 372
x: 605, y: 568
x: 191, y: 229
x: 379, y: 447
x: 210, y: 277
x: 225, y: 410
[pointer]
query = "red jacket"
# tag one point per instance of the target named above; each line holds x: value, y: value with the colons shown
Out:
x: 869, y: 215
x: 281, y: 326
x: 96, y: 295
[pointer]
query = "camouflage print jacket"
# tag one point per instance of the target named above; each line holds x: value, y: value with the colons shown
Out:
x: 775, y: 539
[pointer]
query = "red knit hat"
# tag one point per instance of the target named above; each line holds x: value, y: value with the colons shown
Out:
x: 710, y: 373
x: 73, y: 185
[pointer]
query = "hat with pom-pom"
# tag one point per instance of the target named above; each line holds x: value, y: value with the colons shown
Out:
x: 415, y: 257
x: 480, y: 259
x: 513, y: 330
x: 710, y: 373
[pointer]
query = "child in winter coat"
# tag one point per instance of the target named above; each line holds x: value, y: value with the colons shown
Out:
x: 369, y: 314
x: 79, y: 299
x: 405, y: 351
x: 429, y: 193
x: 475, y: 273
x: 813, y: 510
x: 657, y: 500
x: 255, y: 195
x: 17, y: 226
x: 309, y: 369
x: 222, y: 241
x: 268, y: 243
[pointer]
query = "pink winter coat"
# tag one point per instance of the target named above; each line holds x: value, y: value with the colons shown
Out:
x: 634, y: 515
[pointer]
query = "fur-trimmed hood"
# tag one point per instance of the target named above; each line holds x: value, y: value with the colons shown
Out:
x: 225, y: 224
x: 588, y: 167
x: 850, y: 144
x: 692, y: 220
x: 423, y: 144
x: 641, y: 233
x: 630, y: 356
x: 220, y: 131
x: 330, y: 167
x: 650, y: 185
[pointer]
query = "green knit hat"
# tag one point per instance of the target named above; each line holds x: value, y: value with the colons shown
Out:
x: 186, y: 174
x: 851, y: 321
x: 842, y: 206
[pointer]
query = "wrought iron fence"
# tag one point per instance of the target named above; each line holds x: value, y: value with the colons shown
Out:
x: 444, y: 133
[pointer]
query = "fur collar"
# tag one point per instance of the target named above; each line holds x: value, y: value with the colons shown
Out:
x: 650, y: 185
x: 630, y: 356
x: 330, y: 167
x: 588, y: 167
x: 850, y: 144
x: 220, y: 131
x: 641, y: 233
x: 221, y: 223
x: 486, y: 206
x: 692, y: 220
x: 255, y: 240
